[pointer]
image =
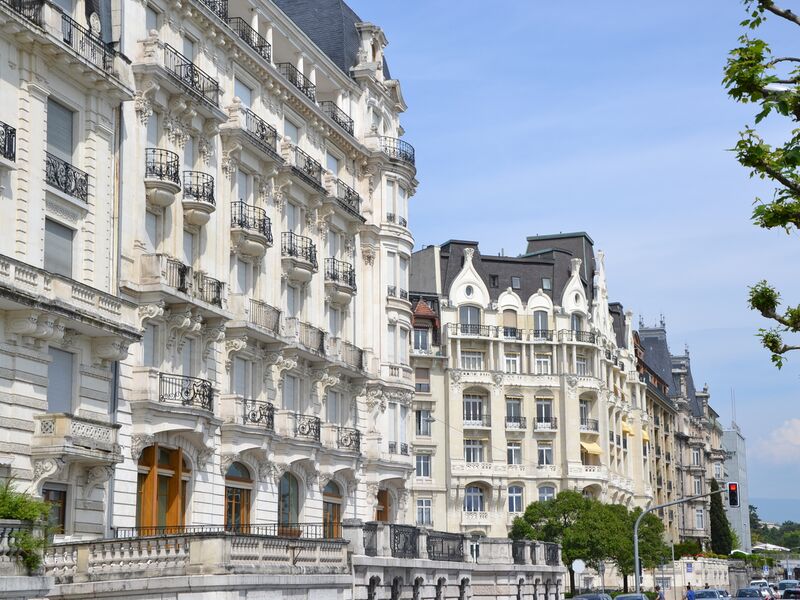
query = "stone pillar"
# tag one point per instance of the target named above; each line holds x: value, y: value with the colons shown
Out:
x: 353, y: 532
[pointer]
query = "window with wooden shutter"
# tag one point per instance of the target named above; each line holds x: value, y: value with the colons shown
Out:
x: 60, y: 130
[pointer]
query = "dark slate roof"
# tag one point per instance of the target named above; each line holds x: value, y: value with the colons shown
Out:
x: 618, y: 320
x: 331, y: 25
x: 656, y: 353
x: 683, y: 362
x: 531, y: 268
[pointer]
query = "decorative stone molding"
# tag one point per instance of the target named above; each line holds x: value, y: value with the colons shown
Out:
x: 210, y: 336
x: 324, y: 480
x: 233, y: 345
x: 95, y: 477
x: 143, y: 99
x: 204, y: 456
x: 46, y: 468
x: 278, y: 364
x: 280, y: 190
x: 32, y: 327
x: 368, y: 254
x: 277, y: 470
x: 352, y: 485
x: 109, y: 349
x: 311, y: 476
x: 572, y: 381
x: 138, y: 443
x: 59, y: 210
x: 230, y: 160
x: 180, y: 325
x: 323, y: 380
x: 225, y: 462
x: 497, y: 380
x: 147, y: 312
x: 372, y: 496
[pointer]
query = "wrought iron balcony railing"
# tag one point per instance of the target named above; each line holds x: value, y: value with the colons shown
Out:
x: 306, y: 427
x: 298, y: 80
x: 179, y: 275
x: 550, y: 554
x: 196, y: 81
x: 251, y: 37
x: 209, y: 289
x: 198, y: 186
x: 481, y: 420
x: 391, y: 217
x: 162, y: 164
x: 28, y: 9
x: 474, y: 329
x: 371, y: 539
x: 185, y: 390
x: 260, y: 413
x: 307, y: 166
x: 299, y: 247
x: 445, y: 546
x: 545, y: 424
x: 311, y: 531
x: 339, y: 271
x: 516, y: 422
x: 404, y: 541
x: 261, y: 132
x: 66, y: 178
x: 251, y: 218
x: 590, y: 425
x: 352, y: 356
x: 571, y: 335
x: 8, y: 142
x: 348, y: 438
x: 402, y: 447
x: 87, y: 44
x: 338, y: 116
x: 218, y: 7
x: 311, y: 337
x: 264, y: 315
x: 348, y: 196
x: 397, y: 149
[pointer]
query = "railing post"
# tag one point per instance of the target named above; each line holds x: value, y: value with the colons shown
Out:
x: 384, y: 540
x: 209, y: 556
x: 81, y: 564
x: 353, y: 532
x: 422, y: 543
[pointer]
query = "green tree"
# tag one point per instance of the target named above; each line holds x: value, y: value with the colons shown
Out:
x: 721, y: 538
x: 754, y: 75
x: 652, y: 550
x: 755, y: 524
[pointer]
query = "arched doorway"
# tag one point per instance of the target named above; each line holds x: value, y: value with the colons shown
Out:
x: 289, y: 506
x: 238, y: 491
x: 161, y: 490
x: 384, y: 509
x: 332, y: 511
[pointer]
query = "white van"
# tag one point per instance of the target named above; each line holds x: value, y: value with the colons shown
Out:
x: 759, y: 583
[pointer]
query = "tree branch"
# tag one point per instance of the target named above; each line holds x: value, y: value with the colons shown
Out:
x: 784, y: 59
x: 784, y: 13
x: 784, y: 349
x: 781, y: 178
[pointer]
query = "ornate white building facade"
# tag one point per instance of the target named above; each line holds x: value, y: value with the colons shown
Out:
x: 205, y: 321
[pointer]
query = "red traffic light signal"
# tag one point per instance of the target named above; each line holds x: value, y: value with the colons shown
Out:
x: 733, y: 494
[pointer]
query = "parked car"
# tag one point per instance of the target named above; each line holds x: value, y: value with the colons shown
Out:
x: 597, y: 596
x: 791, y: 593
x: 786, y: 584
x: 713, y: 594
x: 759, y: 583
x: 749, y: 592
x: 631, y: 597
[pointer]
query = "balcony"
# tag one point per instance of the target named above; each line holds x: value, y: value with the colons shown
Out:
x: 352, y: 355
x: 218, y: 7
x: 198, y: 197
x: 208, y: 289
x: 162, y: 179
x: 86, y: 44
x: 251, y: 230
x: 75, y: 439
x: 8, y: 144
x: 404, y: 541
x: 545, y: 424
x: 264, y: 316
x: 251, y: 37
x: 340, y: 281
x: 306, y: 427
x: 196, y: 82
x: 477, y: 421
x: 348, y: 438
x: 299, y: 257
x: 590, y: 426
x: 311, y: 338
x: 475, y: 518
x: 570, y: 335
x: 398, y: 149
x: 298, y: 80
x: 348, y: 198
x: 445, y: 546
x: 516, y: 422
x: 261, y: 133
x: 393, y: 292
x: 338, y: 116
x: 186, y: 391
x: 65, y: 178
x: 192, y: 551
x: 259, y: 414
x: 307, y: 169
x: 401, y: 448
x: 393, y: 218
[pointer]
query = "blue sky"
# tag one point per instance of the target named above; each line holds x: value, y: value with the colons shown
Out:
x: 609, y: 117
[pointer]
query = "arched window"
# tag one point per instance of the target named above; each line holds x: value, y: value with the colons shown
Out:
x: 473, y: 410
x: 473, y: 499
x: 540, y: 323
x: 238, y: 489
x: 577, y: 322
x: 546, y: 492
x: 332, y: 511
x: 161, y: 490
x: 288, y: 506
x: 510, y: 323
x: 515, y: 499
x: 470, y: 319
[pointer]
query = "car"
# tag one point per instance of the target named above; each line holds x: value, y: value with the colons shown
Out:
x: 759, y: 583
x: 788, y: 583
x: 712, y: 594
x: 597, y: 596
x: 749, y: 592
x: 791, y: 593
x: 631, y: 597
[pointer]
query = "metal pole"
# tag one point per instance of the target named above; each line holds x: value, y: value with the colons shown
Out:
x: 723, y: 488
x: 674, y: 582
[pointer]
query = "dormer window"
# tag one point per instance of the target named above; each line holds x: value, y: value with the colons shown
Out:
x: 515, y: 283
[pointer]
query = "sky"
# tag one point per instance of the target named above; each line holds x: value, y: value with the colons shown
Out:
x: 532, y: 117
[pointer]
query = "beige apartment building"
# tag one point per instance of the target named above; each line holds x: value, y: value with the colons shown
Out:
x: 526, y: 384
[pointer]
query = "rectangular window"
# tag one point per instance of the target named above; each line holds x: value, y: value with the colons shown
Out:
x: 149, y: 345
x: 544, y: 411
x: 543, y: 364
x: 403, y: 282
x: 512, y: 363
x: 403, y: 346
x: 717, y: 471
x: 240, y: 282
x: 581, y: 366
x: 187, y: 357
x: 151, y: 231
x: 239, y: 370
x: 423, y: 420
x: 58, y: 248
x: 60, y: 381
x: 423, y: 462
x: 547, y: 283
x: 513, y: 409
x: 696, y: 457
x: 332, y: 163
x: 391, y: 344
x: 424, y: 511
x: 584, y: 410
x: 188, y: 152
x: 152, y: 131
x: 292, y: 301
x: 391, y: 270
x: 334, y: 321
x: 515, y: 283
x: 292, y: 217
x: 698, y: 486
x: 243, y: 185
x: 544, y: 451
x: 290, y: 392
x: 422, y: 380
x: 291, y: 131
x: 150, y: 19
x: 188, y: 247
x: 188, y: 48
x: 473, y: 410
x: 514, y: 453
x: 472, y: 361
x: 494, y: 281
x: 699, y: 519
x: 421, y: 339
x: 55, y: 494
x: 473, y: 451
x: 515, y: 499
x: 60, y: 130
x: 402, y: 423
x: 333, y: 408
x: 244, y: 92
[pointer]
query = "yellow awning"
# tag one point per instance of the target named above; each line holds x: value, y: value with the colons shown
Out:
x: 645, y: 435
x: 626, y: 428
x: 592, y: 447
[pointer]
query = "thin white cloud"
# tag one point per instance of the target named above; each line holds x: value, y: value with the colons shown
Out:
x: 781, y: 446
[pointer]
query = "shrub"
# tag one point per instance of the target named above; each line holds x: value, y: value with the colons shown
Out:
x: 24, y: 507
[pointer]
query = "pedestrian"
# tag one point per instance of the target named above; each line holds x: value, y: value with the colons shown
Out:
x: 689, y: 595
x: 659, y: 593
x: 707, y: 586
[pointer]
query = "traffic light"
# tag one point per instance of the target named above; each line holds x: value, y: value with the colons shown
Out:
x: 733, y: 494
